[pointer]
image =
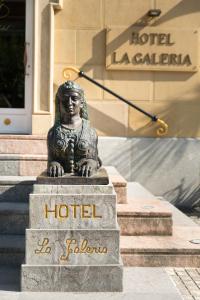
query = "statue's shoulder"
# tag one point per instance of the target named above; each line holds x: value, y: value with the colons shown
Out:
x: 88, y: 128
x: 51, y: 132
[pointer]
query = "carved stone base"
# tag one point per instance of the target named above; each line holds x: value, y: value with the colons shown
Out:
x: 72, y: 247
x: 106, y: 278
x: 73, y: 241
x: 100, y: 178
x: 64, y: 211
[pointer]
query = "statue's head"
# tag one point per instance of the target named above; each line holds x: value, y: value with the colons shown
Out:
x: 70, y: 100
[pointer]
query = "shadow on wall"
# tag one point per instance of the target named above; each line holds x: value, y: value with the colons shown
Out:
x: 183, y: 196
x: 122, y: 38
x: 184, y: 7
x: 179, y: 10
x: 182, y: 117
x: 168, y: 167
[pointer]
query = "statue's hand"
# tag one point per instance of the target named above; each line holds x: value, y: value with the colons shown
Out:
x: 87, y: 167
x: 55, y: 169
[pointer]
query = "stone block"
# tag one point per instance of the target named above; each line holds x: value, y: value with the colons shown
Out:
x: 67, y: 52
x: 119, y: 183
x: 73, y: 211
x: 162, y: 251
x: 109, y: 117
x: 15, y: 193
x: 22, y: 164
x: 79, y: 14
x: 173, y: 86
x: 9, y: 167
x: 161, y: 260
x: 72, y: 247
x: 127, y: 14
x: 99, y: 178
x: 91, y: 47
x: 121, y: 192
x: 171, y: 17
x: 12, y: 259
x: 180, y: 184
x: 114, y: 152
x: 13, y: 223
x: 128, y: 84
x: 144, y: 214
x: 12, y: 249
x: 182, y: 119
x: 140, y: 125
x: 32, y: 167
x: 23, y: 145
x: 40, y: 122
x: 72, y: 189
x: 106, y: 278
x: 145, y: 226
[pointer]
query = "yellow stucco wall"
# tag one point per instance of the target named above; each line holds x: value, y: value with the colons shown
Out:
x: 80, y: 40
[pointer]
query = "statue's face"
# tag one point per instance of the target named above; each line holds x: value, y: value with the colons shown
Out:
x: 71, y: 103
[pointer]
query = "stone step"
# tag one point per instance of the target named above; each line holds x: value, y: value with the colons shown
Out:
x: 23, y: 144
x: 9, y: 278
x: 14, y: 218
x: 179, y: 250
x: 17, y: 188
x: 141, y: 251
x: 159, y: 251
x: 119, y: 183
x: 12, y: 249
x: 22, y: 164
x: 145, y: 217
x: 9, y: 275
x: 145, y: 251
x: 144, y: 214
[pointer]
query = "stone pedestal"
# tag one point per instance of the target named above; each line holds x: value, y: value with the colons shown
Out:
x: 73, y: 241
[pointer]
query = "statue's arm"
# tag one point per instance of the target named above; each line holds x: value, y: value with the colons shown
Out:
x: 89, y: 165
x: 54, y: 168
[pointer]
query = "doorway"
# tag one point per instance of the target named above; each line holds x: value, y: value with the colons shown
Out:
x: 16, y: 27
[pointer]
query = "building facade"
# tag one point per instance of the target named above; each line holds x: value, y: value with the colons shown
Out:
x: 146, y: 51
x: 152, y: 61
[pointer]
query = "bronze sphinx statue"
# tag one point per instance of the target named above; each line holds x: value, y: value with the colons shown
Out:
x: 72, y: 143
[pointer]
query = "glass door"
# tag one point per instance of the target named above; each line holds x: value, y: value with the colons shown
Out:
x: 15, y: 66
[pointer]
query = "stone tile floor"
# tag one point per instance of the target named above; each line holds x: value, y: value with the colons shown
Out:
x: 187, y: 280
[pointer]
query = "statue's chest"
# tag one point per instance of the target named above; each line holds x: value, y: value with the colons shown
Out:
x: 67, y: 143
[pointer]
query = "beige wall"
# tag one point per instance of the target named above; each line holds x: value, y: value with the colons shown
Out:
x: 80, y: 40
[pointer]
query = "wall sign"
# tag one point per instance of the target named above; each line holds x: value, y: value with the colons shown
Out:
x: 152, y: 49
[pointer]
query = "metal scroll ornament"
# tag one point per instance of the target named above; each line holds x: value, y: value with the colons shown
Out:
x: 163, y: 127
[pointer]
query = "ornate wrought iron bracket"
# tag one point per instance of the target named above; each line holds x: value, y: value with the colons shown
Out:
x: 161, y: 131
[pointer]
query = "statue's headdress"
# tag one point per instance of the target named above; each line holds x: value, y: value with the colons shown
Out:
x: 64, y: 88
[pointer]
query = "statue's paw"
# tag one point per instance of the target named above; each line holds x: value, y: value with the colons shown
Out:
x: 55, y: 170
x: 88, y: 168
x: 86, y: 171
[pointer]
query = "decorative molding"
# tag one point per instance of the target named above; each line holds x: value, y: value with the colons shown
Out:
x: 57, y: 4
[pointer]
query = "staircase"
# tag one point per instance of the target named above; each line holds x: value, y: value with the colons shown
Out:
x: 153, y: 232
x: 164, y: 237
